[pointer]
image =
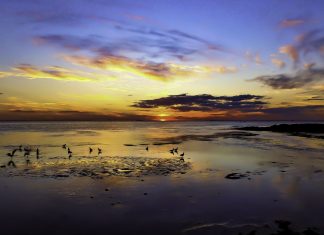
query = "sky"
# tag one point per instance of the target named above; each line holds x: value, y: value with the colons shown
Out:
x: 121, y: 60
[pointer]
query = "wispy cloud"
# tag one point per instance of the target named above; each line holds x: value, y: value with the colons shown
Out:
x: 291, y: 51
x: 157, y: 71
x: 315, y: 98
x: 279, y: 63
x: 54, y: 72
x: 151, y: 43
x: 311, y: 41
x: 254, y: 57
x: 293, y: 22
x: 4, y: 74
x: 116, y: 56
x: 284, y: 81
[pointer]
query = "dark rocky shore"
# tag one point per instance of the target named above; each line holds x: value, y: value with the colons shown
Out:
x: 306, y: 130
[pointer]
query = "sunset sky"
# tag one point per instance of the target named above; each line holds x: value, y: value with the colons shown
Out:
x: 161, y: 60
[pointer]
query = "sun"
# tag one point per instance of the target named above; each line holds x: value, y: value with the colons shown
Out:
x: 162, y: 117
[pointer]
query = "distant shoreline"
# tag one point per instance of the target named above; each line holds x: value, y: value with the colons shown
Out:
x: 312, y: 130
x: 299, y: 121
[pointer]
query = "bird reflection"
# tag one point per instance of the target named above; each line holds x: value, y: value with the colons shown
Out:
x: 11, y: 163
x: 37, y: 153
x: 12, y: 153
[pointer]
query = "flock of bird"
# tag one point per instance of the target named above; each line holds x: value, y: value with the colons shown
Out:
x: 27, y: 150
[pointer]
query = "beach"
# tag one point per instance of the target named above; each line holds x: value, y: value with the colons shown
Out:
x: 227, y: 181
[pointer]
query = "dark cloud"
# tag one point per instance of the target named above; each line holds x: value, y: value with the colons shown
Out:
x: 68, y: 115
x: 309, y: 112
x: 284, y: 81
x: 240, y: 107
x: 204, y: 103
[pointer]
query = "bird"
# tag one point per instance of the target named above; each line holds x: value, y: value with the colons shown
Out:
x: 176, y: 150
x: 171, y: 151
x: 64, y: 146
x: 69, y: 151
x: 11, y: 163
x: 37, y: 153
x: 181, y: 159
x: 90, y: 150
x: 27, y: 153
x: 182, y: 154
x: 12, y: 153
x: 99, y: 151
x: 147, y: 148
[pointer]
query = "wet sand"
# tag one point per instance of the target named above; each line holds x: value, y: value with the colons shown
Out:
x: 229, y: 183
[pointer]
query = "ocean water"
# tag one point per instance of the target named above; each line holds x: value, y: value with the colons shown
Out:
x: 153, y: 191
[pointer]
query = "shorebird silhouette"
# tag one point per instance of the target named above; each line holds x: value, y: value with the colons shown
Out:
x: 90, y: 150
x: 27, y: 153
x: 147, y: 148
x: 11, y: 163
x: 182, y: 154
x: 175, y: 150
x: 12, y: 153
x: 99, y: 151
x: 64, y: 146
x: 171, y: 151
